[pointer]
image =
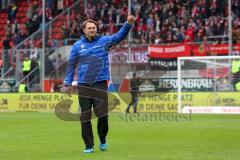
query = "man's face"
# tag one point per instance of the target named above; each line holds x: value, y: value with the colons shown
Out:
x: 90, y: 30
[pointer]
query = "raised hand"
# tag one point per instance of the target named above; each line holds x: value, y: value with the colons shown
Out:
x: 131, y: 19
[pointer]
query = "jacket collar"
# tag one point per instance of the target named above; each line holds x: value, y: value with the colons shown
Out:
x: 84, y: 39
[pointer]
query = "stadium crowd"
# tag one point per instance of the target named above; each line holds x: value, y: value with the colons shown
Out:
x: 15, y: 32
x: 165, y: 21
x: 170, y: 21
x: 158, y: 22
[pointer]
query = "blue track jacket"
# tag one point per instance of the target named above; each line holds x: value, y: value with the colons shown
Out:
x: 91, y: 57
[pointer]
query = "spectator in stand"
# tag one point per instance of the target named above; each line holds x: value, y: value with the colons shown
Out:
x: 218, y: 27
x: 23, y: 34
x: 198, y: 38
x: 172, y: 17
x: 150, y: 23
x: 7, y: 43
x: 73, y: 24
x: 50, y: 4
x: 53, y: 7
x: 157, y: 24
x: 51, y: 43
x: 16, y: 39
x: 68, y: 3
x: 30, y: 12
x: 213, y: 8
x: 15, y: 27
x: 236, y: 33
x: 12, y: 11
x: 190, y: 32
x: 33, y: 24
x: 169, y: 38
x: 7, y: 29
x: 90, y: 10
x: 180, y: 36
x: 111, y: 28
x: 34, y: 55
x: 75, y: 33
x: 141, y: 28
x: 49, y: 67
x: 60, y: 6
x: 163, y: 35
x: 187, y: 39
x: 101, y: 27
x: 143, y: 40
x: 65, y: 31
x: 236, y: 7
x: 158, y: 40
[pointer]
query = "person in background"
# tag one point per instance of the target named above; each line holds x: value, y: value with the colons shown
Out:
x: 22, y: 87
x: 134, y: 90
x: 236, y: 74
x: 26, y: 66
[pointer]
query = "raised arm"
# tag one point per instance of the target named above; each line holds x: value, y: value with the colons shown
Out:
x: 123, y: 32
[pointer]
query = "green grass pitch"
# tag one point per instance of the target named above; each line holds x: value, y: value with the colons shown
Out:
x: 42, y: 136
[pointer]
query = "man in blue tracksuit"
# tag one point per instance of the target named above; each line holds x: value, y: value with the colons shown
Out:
x: 90, y: 56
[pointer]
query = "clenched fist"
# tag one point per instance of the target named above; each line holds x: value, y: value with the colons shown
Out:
x: 130, y: 19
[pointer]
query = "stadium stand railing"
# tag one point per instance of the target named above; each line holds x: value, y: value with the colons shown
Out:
x: 12, y: 58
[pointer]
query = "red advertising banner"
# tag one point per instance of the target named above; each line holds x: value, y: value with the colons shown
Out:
x: 222, y: 49
x: 182, y: 50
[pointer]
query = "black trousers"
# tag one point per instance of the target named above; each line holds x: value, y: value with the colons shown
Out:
x: 93, y: 98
